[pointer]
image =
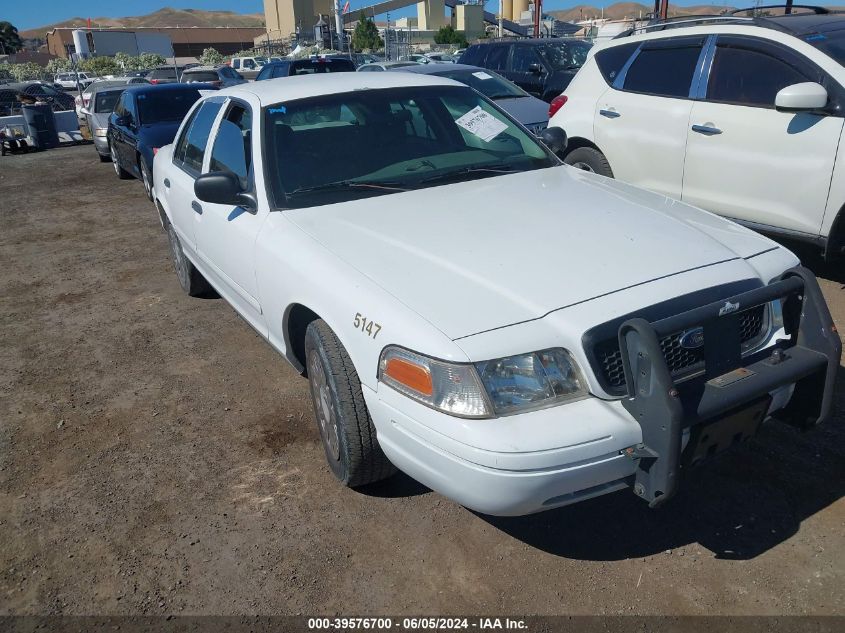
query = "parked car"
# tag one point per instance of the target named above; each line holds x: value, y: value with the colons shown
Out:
x: 377, y: 67
x: 528, y: 110
x: 144, y: 119
x: 165, y: 75
x: 248, y: 67
x: 57, y: 99
x: 365, y: 58
x: 542, y: 67
x: 99, y: 107
x: 415, y: 57
x: 68, y: 81
x: 310, y: 66
x: 81, y: 101
x: 407, y: 285
x: 445, y: 58
x: 742, y: 117
x: 219, y: 76
x: 143, y: 72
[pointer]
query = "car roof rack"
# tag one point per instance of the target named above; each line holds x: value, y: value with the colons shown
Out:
x: 815, y: 9
x: 682, y: 20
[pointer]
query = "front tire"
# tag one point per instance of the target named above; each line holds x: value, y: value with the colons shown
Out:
x: 146, y: 178
x: 589, y: 159
x: 191, y: 280
x: 346, y: 428
x: 118, y: 170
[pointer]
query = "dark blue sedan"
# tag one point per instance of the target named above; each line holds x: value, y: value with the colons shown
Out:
x: 144, y: 119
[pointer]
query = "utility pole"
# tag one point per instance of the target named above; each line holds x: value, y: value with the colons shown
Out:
x: 501, y: 11
x: 387, y: 38
x: 538, y: 11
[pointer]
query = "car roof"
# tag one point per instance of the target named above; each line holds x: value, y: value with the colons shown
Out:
x: 316, y: 85
x: 533, y: 41
x: 434, y: 68
x: 174, y: 87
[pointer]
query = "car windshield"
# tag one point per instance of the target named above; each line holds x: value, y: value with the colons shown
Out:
x: 405, y: 138
x: 831, y: 42
x: 565, y: 55
x: 105, y: 101
x: 490, y: 85
x: 311, y: 66
x: 167, y: 105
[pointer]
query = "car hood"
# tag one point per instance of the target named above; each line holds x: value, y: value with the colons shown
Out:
x: 479, y: 255
x: 527, y: 110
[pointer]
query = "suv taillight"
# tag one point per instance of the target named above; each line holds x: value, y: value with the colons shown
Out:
x: 557, y: 104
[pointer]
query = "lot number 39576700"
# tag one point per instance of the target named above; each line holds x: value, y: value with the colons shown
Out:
x: 370, y: 328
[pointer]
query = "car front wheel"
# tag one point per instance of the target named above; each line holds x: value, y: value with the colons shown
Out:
x: 589, y: 159
x: 346, y: 428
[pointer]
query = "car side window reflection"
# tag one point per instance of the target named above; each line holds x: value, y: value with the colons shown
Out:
x: 197, y: 137
x: 232, y: 150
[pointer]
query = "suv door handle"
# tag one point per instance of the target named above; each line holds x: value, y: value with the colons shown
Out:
x: 707, y: 130
x: 196, y: 206
x: 610, y: 114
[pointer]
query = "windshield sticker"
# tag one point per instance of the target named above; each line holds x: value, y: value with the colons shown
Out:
x: 482, y: 75
x: 485, y: 126
x: 278, y: 110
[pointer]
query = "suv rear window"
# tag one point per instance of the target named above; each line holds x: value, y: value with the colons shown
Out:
x: 665, y: 67
x: 612, y: 60
x: 200, y: 75
x: 162, y: 73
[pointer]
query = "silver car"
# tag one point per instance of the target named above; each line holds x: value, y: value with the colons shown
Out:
x: 100, y: 106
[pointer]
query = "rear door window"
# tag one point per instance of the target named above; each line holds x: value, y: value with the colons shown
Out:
x: 612, y: 60
x: 497, y: 58
x: 665, y: 68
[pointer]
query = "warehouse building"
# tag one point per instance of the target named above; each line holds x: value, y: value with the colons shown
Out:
x: 186, y: 41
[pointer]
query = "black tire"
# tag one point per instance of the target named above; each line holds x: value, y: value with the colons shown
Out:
x: 191, y: 280
x: 146, y: 178
x: 589, y: 159
x: 118, y: 170
x: 346, y: 428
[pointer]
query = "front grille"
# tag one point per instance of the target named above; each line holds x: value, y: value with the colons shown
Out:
x: 682, y: 362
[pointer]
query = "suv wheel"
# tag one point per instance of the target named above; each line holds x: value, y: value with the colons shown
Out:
x: 589, y: 159
x: 346, y: 428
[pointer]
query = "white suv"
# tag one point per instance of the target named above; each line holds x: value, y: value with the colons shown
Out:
x: 740, y: 116
x: 457, y: 297
x: 68, y: 81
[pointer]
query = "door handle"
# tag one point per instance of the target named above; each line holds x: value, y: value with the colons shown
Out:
x: 610, y: 114
x: 707, y: 130
x: 196, y: 206
x: 167, y: 183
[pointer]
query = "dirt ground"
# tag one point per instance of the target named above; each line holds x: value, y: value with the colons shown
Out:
x: 157, y: 457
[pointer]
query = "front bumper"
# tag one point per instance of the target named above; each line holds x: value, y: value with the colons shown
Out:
x: 808, y: 359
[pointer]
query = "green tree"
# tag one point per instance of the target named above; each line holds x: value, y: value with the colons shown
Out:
x: 210, y: 57
x: 5, y: 72
x: 148, y: 60
x: 124, y: 60
x: 448, y: 35
x: 28, y: 71
x: 58, y: 65
x: 10, y: 41
x: 365, y: 35
x: 100, y: 66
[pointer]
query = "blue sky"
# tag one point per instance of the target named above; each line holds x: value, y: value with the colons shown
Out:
x: 32, y: 13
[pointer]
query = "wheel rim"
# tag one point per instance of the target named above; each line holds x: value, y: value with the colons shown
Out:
x: 324, y: 406
x: 114, y: 160
x: 583, y: 166
x: 178, y: 258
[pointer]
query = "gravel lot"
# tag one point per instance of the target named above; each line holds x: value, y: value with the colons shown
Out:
x: 157, y: 457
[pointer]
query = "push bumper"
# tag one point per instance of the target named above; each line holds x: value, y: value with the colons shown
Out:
x: 730, y: 398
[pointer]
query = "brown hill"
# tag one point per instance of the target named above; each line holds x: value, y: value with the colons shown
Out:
x: 162, y: 17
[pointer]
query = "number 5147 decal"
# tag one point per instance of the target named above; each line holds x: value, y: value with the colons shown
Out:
x: 370, y: 328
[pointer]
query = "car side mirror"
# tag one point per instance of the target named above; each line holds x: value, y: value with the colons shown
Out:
x: 554, y: 138
x: 224, y: 187
x: 801, y: 97
x: 535, y: 68
x: 123, y: 121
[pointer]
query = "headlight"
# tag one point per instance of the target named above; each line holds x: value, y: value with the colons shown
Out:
x: 497, y: 387
x: 101, y: 131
